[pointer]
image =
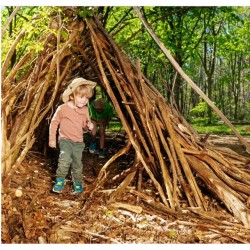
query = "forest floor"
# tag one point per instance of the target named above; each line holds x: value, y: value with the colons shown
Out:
x: 31, y: 213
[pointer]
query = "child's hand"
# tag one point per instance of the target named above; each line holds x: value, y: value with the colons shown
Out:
x: 90, y: 125
x: 52, y: 144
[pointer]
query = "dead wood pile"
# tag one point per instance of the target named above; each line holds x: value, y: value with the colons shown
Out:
x: 179, y: 162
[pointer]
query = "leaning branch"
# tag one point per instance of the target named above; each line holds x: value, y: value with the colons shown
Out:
x: 13, y: 14
x: 189, y: 80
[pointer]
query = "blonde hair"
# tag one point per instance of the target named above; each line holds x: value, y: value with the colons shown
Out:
x: 83, y: 90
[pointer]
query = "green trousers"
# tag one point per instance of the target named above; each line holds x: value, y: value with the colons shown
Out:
x: 70, y: 156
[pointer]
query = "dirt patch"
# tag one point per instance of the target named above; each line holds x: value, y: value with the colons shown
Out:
x: 229, y: 141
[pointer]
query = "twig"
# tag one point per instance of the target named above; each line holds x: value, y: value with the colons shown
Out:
x: 101, y: 236
x: 235, y: 237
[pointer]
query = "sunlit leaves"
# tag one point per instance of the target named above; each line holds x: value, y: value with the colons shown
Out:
x: 84, y: 12
x: 34, y: 20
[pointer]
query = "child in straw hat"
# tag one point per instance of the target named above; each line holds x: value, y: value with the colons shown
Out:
x: 72, y: 118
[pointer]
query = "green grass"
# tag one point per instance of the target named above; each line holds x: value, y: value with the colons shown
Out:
x: 115, y: 126
x: 219, y: 129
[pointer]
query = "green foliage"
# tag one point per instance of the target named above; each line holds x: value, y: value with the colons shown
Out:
x: 200, y: 109
x: 184, y: 32
x: 219, y: 129
x: 199, y: 114
x: 84, y: 12
x: 34, y: 20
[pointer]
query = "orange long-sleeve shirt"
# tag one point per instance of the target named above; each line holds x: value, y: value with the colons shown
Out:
x: 71, y: 123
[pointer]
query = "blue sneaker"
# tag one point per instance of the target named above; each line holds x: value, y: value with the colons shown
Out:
x: 57, y: 188
x: 78, y: 187
x: 92, y: 147
x: 101, y: 153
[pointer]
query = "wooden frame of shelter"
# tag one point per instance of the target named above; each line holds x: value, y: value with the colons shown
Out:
x: 172, y: 153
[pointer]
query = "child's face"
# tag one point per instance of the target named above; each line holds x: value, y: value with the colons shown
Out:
x: 81, y: 101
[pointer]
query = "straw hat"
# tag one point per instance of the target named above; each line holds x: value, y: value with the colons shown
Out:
x: 73, y: 85
x: 99, y: 103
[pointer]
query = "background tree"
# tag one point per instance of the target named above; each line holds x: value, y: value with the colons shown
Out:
x: 187, y: 31
x: 234, y: 58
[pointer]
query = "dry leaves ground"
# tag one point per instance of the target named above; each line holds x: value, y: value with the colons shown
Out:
x: 31, y: 213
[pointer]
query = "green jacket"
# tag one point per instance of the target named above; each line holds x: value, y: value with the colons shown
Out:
x: 105, y: 115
